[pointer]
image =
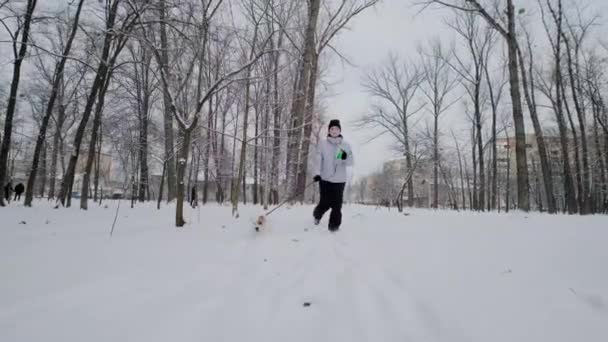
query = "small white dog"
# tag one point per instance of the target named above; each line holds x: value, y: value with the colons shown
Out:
x: 261, y: 223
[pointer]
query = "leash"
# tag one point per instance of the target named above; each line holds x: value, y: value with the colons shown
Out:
x: 289, y: 198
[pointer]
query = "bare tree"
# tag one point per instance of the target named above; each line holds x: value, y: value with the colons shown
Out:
x: 495, y: 94
x: 460, y: 170
x: 114, y: 40
x: 256, y: 19
x: 479, y: 43
x: 574, y: 38
x: 167, y: 114
x: 187, y: 114
x: 118, y: 41
x: 57, y: 77
x: 438, y: 83
x: 22, y: 33
x: 509, y: 33
x: 595, y: 80
x: 414, y: 158
x: 299, y: 100
x: 529, y: 94
x: 138, y: 84
x: 557, y: 100
x: 279, y: 103
x: 395, y: 85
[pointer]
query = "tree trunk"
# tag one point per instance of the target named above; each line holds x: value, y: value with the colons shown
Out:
x: 508, y: 186
x: 436, y: 161
x: 545, y: 164
x: 84, y: 193
x: 474, y: 162
x: 190, y: 173
x: 181, y: 172
x: 276, y: 109
x: 408, y: 156
x: 539, y: 196
x: 601, y: 188
x: 466, y: 168
x: 605, y: 187
x: 133, y: 189
x: 575, y: 141
x: 244, y: 183
x: 234, y: 181
x: 207, y: 151
x: 569, y: 190
x: 222, y: 182
x: 56, y: 139
x: 196, y: 172
x: 494, y: 163
x: 243, y: 157
x: 255, y: 158
x: 98, y: 166
x: 601, y: 112
x: 290, y: 132
x: 584, y: 192
x: 523, y: 184
x: 464, y: 201
x: 167, y: 115
x: 308, y: 118
x: 12, y: 100
x: 482, y: 180
x: 143, y: 153
x: 215, y: 148
x: 494, y: 102
x: 43, y: 172
x: 488, y: 184
x: 299, y: 103
x: 265, y: 163
x: 162, y: 184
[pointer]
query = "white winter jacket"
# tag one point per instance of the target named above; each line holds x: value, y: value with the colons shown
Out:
x: 327, y: 165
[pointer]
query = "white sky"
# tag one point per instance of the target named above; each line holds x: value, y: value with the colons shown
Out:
x: 392, y: 26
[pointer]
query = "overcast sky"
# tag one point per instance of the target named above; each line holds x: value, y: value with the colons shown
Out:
x: 393, y: 26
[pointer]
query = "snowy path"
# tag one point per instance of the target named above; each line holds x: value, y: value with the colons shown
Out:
x: 431, y: 276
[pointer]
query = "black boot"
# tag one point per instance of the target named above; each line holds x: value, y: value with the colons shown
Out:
x: 317, y: 221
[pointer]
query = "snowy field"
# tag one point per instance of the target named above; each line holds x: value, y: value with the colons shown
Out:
x: 430, y: 276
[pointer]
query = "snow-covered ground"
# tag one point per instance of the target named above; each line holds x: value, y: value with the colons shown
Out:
x: 430, y: 276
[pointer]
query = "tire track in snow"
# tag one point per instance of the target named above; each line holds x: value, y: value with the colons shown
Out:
x: 368, y: 312
x: 253, y: 307
x: 402, y: 315
x: 316, y: 276
x: 287, y: 299
x: 327, y: 285
x: 391, y: 310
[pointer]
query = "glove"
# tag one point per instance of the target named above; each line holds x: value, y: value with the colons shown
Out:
x: 316, y: 178
x: 343, y: 155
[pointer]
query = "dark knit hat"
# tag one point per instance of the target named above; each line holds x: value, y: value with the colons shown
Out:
x: 335, y: 123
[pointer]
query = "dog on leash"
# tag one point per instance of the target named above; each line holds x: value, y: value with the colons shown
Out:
x: 261, y: 223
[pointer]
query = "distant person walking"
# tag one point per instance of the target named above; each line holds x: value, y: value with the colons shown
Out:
x: 8, y: 188
x: 193, y: 201
x: 19, y: 189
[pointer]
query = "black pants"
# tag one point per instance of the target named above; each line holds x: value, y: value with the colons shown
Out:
x: 332, y: 195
